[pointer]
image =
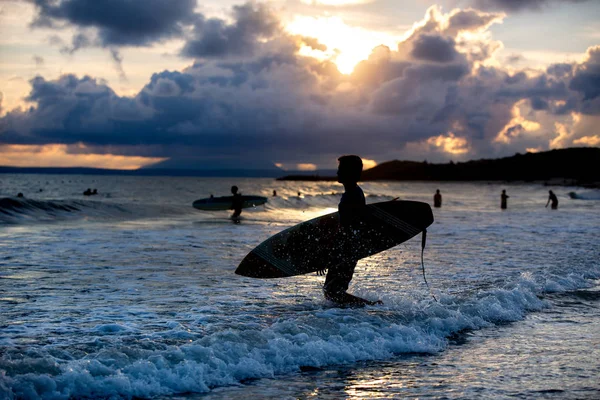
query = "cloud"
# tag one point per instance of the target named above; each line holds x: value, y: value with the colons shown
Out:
x: 519, y: 5
x: 586, y: 81
x: 436, y: 95
x: 471, y: 20
x: 588, y: 140
x: 434, y: 48
x: 118, y: 23
x: 215, y: 38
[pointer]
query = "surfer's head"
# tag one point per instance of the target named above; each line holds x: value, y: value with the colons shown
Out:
x: 349, y: 169
x: 234, y: 189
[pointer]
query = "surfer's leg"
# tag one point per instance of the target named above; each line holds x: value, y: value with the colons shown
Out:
x: 338, y: 278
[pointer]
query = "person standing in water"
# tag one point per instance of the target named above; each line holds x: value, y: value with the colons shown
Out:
x: 437, y: 199
x: 503, y: 198
x: 552, y: 198
x: 236, y: 204
x: 351, y: 206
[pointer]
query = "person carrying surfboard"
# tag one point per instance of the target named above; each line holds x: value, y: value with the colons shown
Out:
x: 351, y: 206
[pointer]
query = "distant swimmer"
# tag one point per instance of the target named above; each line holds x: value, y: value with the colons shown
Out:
x: 552, y: 198
x: 274, y: 193
x: 351, y: 206
x: 437, y: 199
x: 20, y: 194
x: 503, y: 198
x: 88, y: 192
x: 236, y: 204
x: 95, y: 191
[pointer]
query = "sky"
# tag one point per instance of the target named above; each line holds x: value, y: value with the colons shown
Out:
x: 294, y: 84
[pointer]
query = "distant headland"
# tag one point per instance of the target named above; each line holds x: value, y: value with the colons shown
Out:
x: 573, y: 166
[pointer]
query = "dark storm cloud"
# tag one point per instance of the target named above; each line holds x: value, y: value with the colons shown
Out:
x: 119, y: 22
x: 560, y: 70
x: 518, y: 5
x: 277, y: 106
x: 434, y: 48
x: 215, y: 38
x: 587, y: 77
x: 586, y: 81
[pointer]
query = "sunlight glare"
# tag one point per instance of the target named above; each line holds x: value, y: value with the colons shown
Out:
x: 346, y: 45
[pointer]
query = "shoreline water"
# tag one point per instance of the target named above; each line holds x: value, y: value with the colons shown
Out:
x: 134, y: 295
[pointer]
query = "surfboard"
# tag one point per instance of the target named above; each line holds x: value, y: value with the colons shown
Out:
x: 224, y: 203
x: 321, y: 242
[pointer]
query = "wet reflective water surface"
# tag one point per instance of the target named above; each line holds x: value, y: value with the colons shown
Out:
x: 132, y: 293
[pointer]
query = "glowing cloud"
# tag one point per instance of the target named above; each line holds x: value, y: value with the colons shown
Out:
x: 588, y: 140
x: 517, y: 125
x: 58, y: 155
x: 450, y: 143
x: 297, y: 167
x: 346, y: 45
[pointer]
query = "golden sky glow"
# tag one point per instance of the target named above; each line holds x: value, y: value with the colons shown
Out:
x: 346, y: 45
x: 297, y: 167
x: 368, y: 163
x: 57, y: 155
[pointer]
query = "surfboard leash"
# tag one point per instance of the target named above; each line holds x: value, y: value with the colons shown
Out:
x: 423, y: 241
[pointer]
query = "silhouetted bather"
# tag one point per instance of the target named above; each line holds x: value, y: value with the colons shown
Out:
x: 274, y: 193
x: 351, y: 206
x: 503, y: 198
x: 437, y: 199
x: 88, y: 192
x: 95, y: 191
x: 236, y: 204
x: 20, y: 194
x: 552, y: 198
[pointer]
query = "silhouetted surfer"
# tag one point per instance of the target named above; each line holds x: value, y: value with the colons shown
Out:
x: 236, y: 204
x: 503, y: 198
x: 552, y: 198
x: 437, y: 199
x: 351, y: 206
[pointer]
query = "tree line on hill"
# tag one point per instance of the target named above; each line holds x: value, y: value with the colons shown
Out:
x: 575, y: 165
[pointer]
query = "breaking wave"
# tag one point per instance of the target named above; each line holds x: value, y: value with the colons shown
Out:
x: 117, y: 360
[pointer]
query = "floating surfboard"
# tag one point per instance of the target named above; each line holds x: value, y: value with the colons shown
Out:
x: 224, y: 203
x: 319, y: 243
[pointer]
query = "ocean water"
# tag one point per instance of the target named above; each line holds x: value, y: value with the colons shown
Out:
x: 132, y: 294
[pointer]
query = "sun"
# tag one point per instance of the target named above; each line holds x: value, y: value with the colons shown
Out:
x: 346, y: 45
